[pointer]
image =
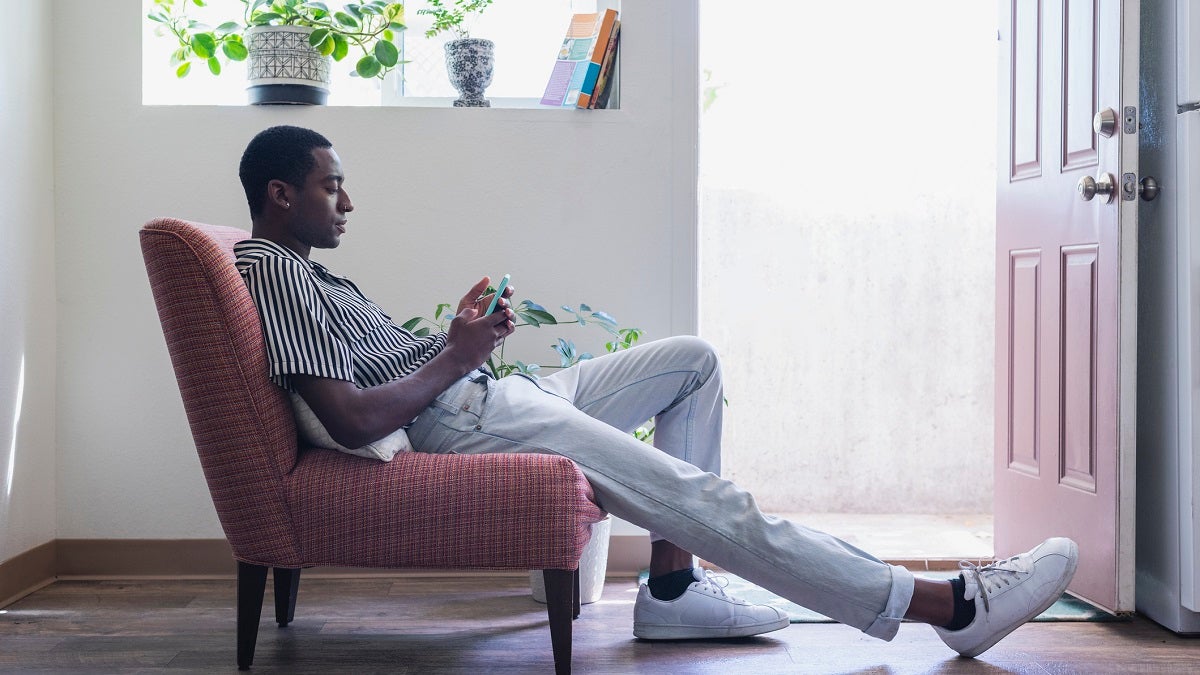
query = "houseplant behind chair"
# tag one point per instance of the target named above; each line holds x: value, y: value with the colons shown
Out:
x: 289, y: 43
x: 469, y: 61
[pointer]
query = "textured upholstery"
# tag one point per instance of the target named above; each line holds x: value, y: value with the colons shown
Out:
x: 285, y: 506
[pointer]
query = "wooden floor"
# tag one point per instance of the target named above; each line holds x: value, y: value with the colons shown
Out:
x: 491, y: 625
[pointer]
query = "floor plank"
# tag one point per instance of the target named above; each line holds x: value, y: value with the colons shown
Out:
x: 492, y: 625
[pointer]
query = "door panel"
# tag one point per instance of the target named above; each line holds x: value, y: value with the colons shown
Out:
x: 1061, y: 286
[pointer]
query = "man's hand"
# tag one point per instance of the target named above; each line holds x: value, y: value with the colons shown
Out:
x: 476, y: 299
x: 473, y: 336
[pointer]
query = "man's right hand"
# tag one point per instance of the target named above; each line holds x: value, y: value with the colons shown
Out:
x: 473, y: 338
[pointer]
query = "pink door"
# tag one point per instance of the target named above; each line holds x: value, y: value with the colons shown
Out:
x: 1066, y: 273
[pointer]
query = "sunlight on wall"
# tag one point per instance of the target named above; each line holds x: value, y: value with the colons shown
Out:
x: 12, y: 449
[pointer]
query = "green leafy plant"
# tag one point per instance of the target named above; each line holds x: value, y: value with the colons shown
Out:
x: 450, y: 15
x: 370, y: 26
x: 530, y: 313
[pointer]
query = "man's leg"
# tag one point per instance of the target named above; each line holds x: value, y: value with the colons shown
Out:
x: 694, y: 509
x: 675, y: 381
x: 722, y: 523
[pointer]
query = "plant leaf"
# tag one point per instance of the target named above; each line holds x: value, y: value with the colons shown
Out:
x: 411, y: 323
x: 204, y: 45
x: 340, y: 47
x: 368, y: 66
x: 604, y: 317
x: 387, y: 53
x: 345, y: 19
x: 228, y: 27
x: 214, y: 66
x: 542, y: 316
x: 584, y: 308
x: 422, y: 332
x: 318, y: 36
x: 235, y: 50
x: 183, y: 69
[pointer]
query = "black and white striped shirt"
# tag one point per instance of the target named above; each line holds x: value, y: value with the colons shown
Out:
x: 318, y: 323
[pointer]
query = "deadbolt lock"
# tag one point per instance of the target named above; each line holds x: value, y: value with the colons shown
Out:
x: 1105, y: 122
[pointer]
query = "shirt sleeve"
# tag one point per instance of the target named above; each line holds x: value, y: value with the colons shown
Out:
x: 297, y: 328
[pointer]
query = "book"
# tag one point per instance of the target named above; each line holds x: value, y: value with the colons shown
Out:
x: 579, y: 59
x: 599, y: 97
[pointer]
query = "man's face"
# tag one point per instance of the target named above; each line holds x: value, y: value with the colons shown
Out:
x: 319, y: 207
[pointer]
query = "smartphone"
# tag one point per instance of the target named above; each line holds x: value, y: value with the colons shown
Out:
x: 498, y: 295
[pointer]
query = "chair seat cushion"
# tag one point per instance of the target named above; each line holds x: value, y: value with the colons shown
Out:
x: 494, y: 511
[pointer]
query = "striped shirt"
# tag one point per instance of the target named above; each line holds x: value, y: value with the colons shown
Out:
x: 318, y: 323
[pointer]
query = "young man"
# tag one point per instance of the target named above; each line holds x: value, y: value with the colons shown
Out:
x: 365, y: 377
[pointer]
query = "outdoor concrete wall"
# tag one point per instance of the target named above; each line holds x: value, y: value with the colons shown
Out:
x: 847, y: 238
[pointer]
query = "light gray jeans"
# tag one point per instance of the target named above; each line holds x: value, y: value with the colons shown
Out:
x: 587, y: 412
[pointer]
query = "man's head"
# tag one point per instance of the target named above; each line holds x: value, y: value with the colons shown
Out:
x: 293, y: 181
x: 283, y: 153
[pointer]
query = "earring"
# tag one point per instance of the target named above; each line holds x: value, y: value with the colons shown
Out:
x: 287, y: 205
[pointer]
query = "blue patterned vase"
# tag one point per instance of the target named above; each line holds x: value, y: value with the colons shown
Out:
x: 469, y: 64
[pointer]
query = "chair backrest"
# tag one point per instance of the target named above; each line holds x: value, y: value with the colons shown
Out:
x: 241, y: 422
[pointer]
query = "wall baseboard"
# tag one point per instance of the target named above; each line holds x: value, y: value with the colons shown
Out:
x: 27, y: 572
x: 212, y: 558
x: 179, y: 558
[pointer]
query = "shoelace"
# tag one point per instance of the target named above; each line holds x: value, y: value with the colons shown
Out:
x: 715, y: 584
x: 993, y: 572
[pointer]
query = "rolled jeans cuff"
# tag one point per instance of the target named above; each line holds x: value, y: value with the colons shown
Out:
x: 888, y: 622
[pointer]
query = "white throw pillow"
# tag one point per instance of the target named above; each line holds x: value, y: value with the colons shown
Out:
x: 313, y: 432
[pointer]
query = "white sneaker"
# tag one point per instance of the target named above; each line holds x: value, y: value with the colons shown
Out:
x: 1007, y: 593
x: 704, y: 610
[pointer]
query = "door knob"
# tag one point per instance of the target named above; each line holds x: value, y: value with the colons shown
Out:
x: 1105, y: 122
x: 1103, y: 185
x: 1148, y: 188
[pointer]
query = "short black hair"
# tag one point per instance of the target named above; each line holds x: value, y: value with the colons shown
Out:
x: 282, y: 152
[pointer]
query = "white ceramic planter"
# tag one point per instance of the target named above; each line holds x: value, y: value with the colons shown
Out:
x: 592, y: 566
x: 283, y: 68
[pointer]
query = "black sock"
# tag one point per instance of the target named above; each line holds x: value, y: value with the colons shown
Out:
x: 964, y: 610
x: 670, y: 585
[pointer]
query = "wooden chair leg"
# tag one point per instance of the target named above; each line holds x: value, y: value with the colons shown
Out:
x: 287, y: 584
x: 576, y: 595
x: 561, y: 600
x: 251, y: 586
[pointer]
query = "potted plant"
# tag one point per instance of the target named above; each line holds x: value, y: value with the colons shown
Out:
x: 289, y: 43
x: 469, y: 61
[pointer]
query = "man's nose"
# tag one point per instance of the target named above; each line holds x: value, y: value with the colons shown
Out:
x: 347, y: 205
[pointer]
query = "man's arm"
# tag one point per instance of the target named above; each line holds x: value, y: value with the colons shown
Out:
x: 355, y: 417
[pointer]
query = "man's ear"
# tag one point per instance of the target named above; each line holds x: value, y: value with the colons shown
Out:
x: 280, y: 193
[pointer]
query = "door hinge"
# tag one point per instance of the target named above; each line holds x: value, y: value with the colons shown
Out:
x: 1129, y: 120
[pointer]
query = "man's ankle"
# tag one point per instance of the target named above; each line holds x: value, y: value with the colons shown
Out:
x: 671, y: 585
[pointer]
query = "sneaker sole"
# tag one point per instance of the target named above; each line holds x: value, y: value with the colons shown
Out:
x: 1062, y: 587
x: 661, y: 632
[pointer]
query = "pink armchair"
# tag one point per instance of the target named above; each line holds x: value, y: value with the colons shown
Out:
x: 288, y: 507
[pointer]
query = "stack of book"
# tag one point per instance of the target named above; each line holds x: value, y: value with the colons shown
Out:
x: 583, y: 73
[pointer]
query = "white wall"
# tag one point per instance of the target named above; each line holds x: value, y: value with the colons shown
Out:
x: 593, y: 207
x: 27, y: 332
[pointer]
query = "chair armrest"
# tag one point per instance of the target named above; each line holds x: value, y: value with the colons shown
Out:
x: 494, y: 511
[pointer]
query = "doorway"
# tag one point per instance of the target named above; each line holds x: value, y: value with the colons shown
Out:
x: 847, y: 228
